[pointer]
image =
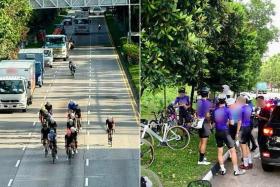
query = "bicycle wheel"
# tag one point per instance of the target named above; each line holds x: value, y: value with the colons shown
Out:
x: 146, y: 153
x: 53, y: 155
x: 46, y: 152
x: 69, y: 154
x: 177, y: 138
x: 147, y: 137
x: 200, y: 183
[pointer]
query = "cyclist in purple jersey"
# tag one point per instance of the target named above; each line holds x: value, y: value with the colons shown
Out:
x: 244, y: 131
x: 183, y: 103
x: 203, y: 111
x: 222, y: 118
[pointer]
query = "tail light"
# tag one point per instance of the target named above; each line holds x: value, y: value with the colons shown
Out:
x: 266, y: 154
x: 268, y: 131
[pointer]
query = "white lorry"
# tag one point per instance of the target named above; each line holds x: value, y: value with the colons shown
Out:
x: 17, y: 84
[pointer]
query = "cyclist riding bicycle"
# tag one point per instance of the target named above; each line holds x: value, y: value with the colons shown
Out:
x: 43, y: 115
x: 52, y: 140
x: 44, y: 134
x: 48, y: 107
x: 110, y: 124
x: 69, y: 140
x: 183, y: 103
x: 78, y: 116
x: 75, y: 137
x: 52, y: 124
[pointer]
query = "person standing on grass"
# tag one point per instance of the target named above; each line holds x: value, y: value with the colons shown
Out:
x: 183, y: 103
x: 203, y: 112
x: 263, y: 118
x: 235, y: 109
x: 244, y: 131
x: 222, y: 118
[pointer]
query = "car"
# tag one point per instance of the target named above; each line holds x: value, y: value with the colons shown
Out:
x: 67, y: 22
x: 270, y: 146
x: 97, y: 10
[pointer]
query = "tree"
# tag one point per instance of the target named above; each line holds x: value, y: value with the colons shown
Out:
x: 270, y: 71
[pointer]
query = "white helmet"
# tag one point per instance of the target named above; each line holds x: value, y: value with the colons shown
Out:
x: 73, y: 129
x: 222, y: 96
x: 230, y: 101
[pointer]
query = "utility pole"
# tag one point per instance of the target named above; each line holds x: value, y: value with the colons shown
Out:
x: 129, y: 21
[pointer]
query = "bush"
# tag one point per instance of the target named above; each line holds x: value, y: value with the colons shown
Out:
x: 132, y: 52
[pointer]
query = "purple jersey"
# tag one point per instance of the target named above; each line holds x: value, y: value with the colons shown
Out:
x: 221, y: 117
x: 245, y: 116
x: 182, y: 100
x: 235, y: 113
x: 203, y: 107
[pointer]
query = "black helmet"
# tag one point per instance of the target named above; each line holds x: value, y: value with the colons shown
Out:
x: 204, y: 91
x: 182, y: 90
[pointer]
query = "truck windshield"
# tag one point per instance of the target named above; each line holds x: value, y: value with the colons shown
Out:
x: 81, y: 21
x: 55, y: 41
x: 47, y: 53
x: 11, y: 87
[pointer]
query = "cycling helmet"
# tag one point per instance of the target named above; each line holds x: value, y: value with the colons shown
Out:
x: 48, y: 103
x: 73, y: 129
x: 204, y: 91
x: 52, y: 131
x: 230, y: 101
x: 182, y: 90
x: 246, y: 96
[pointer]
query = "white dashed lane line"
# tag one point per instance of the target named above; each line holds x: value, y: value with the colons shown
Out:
x: 17, y: 164
x: 87, y: 162
x: 24, y: 147
x: 86, y: 181
x: 10, y: 182
x: 34, y: 123
x: 87, y: 147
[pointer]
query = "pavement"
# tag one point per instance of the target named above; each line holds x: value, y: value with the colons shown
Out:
x: 255, y: 177
x: 101, y: 90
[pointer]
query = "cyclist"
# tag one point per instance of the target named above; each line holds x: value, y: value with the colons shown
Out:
x: 74, y: 134
x: 48, y: 107
x: 72, y: 66
x: 52, y: 141
x: 203, y: 111
x: 44, y: 136
x: 222, y: 117
x: 99, y: 27
x: 52, y: 124
x: 43, y: 115
x: 183, y: 103
x: 68, y: 141
x: 110, y: 123
x: 244, y: 131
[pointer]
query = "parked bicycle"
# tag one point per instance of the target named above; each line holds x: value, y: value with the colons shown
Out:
x: 175, y: 137
x: 146, y: 153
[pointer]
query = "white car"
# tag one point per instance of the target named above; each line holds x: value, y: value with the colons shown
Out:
x: 97, y: 11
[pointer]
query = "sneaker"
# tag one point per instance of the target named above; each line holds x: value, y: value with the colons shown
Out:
x: 204, y: 162
x: 76, y: 151
x: 250, y: 166
x: 223, y: 172
x: 239, y: 172
x: 242, y: 166
x: 72, y: 152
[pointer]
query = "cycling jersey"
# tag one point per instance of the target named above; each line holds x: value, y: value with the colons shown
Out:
x: 221, y: 117
x: 203, y: 107
x: 110, y: 124
x: 45, y: 132
x: 245, y: 117
x: 52, y: 137
x: 48, y: 107
x: 182, y: 100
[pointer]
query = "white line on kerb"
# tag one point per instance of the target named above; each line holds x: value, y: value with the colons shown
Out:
x: 88, y: 112
x: 86, y: 181
x: 17, y: 164
x: 10, y: 182
x: 88, y: 103
x: 34, y: 123
x: 87, y: 162
x: 24, y: 147
x: 29, y: 134
x: 88, y: 122
x: 87, y: 147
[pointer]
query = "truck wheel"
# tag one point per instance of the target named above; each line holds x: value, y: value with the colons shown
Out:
x: 267, y: 168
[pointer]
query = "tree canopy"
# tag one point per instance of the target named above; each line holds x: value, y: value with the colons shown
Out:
x: 270, y: 71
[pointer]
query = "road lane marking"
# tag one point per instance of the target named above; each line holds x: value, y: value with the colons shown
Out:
x: 87, y: 162
x: 88, y: 112
x: 45, y: 97
x: 88, y: 133
x: 88, y: 122
x: 10, y: 182
x: 89, y: 103
x: 89, y: 95
x: 17, y: 164
x: 87, y: 147
x: 86, y: 181
x: 24, y: 147
x: 34, y: 123
x: 29, y: 134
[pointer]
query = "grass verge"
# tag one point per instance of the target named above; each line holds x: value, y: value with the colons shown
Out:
x: 175, y: 168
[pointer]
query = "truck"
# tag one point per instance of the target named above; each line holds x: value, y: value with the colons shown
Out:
x: 81, y: 14
x: 48, y: 57
x: 81, y: 26
x: 36, y: 54
x: 262, y: 87
x: 17, y: 84
x: 59, y: 44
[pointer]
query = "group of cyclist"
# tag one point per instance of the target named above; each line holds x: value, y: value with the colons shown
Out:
x: 73, y: 126
x: 232, y: 120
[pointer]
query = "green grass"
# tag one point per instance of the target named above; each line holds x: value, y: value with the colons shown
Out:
x: 175, y: 168
x: 134, y: 71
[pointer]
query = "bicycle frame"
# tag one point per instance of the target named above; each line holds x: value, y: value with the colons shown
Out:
x: 150, y: 131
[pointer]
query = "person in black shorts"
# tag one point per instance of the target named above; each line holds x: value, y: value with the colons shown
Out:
x: 110, y: 124
x: 222, y: 118
x: 203, y: 112
x: 44, y: 134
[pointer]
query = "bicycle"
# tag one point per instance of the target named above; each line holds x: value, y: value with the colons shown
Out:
x: 174, y: 137
x: 70, y: 152
x: 45, y: 144
x: 53, y: 152
x: 110, y: 137
x: 146, y: 153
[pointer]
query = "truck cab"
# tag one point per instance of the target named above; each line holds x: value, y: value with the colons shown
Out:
x: 59, y: 44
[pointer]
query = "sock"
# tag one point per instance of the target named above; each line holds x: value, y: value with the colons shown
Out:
x: 246, y: 161
x: 250, y: 159
x: 201, y: 157
x: 222, y: 166
x: 235, y: 168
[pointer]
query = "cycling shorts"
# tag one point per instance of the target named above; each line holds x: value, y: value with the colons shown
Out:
x: 245, y: 134
x: 205, y: 131
x: 233, y: 130
x: 223, y: 137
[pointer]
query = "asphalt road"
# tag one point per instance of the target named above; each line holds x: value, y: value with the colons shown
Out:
x: 101, y: 89
x: 252, y: 178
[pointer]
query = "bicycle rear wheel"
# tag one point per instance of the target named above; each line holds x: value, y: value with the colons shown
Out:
x: 146, y: 153
x: 147, y: 137
x: 177, y: 138
x: 69, y: 154
x: 53, y: 155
